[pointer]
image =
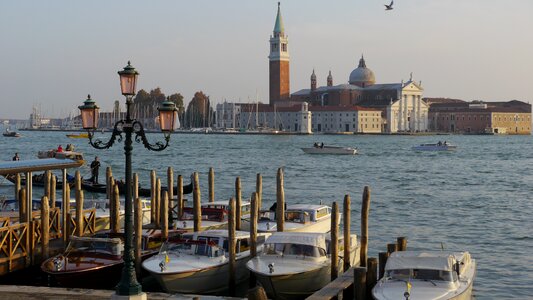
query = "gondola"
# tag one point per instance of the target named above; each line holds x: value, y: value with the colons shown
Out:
x: 144, y: 192
x: 38, y: 180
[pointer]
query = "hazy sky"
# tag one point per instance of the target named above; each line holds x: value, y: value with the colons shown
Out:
x: 53, y: 53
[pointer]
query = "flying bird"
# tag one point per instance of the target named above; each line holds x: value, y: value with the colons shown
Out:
x: 389, y: 7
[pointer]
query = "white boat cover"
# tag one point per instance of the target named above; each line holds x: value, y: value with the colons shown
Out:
x: 301, y: 238
x: 420, y: 260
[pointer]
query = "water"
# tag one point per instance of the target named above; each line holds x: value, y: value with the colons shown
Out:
x: 477, y: 198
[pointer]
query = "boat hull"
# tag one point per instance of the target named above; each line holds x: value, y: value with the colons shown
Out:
x: 330, y: 150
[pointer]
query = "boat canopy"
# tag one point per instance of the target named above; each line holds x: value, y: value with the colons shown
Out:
x: 33, y: 165
x: 420, y: 260
x: 302, y: 238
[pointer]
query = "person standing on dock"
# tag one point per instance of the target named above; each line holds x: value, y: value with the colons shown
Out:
x: 95, y: 166
x: 16, y: 157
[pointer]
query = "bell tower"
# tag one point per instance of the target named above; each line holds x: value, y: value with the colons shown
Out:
x: 279, y: 89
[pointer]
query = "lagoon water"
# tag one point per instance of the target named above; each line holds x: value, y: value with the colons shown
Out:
x: 478, y: 198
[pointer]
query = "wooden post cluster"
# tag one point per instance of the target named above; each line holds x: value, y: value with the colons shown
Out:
x: 153, y: 197
x: 334, y: 244
x: 180, y: 197
x: 45, y: 227
x: 238, y: 203
x: 197, y: 209
x: 211, y: 185
x: 259, y: 190
x: 365, y: 209
x: 347, y: 236
x: 231, y: 247
x: 280, y: 201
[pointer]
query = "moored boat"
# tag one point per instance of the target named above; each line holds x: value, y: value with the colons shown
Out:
x: 435, y: 147
x: 214, y: 216
x: 101, y: 188
x: 39, y: 180
x: 297, y: 264
x: 431, y: 275
x: 199, y: 262
x: 81, y: 135
x: 322, y: 149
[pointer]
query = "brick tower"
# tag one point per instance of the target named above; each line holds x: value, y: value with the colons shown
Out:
x: 279, y: 63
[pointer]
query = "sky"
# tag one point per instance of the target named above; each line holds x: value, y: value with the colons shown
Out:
x: 54, y: 53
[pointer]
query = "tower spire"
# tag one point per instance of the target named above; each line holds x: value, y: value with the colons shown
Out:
x: 279, y: 29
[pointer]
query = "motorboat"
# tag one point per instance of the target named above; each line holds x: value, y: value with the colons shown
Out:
x: 214, y: 216
x: 95, y: 262
x: 298, y: 218
x: 198, y: 263
x: 435, y: 147
x: 427, y: 275
x: 81, y: 135
x: 322, y: 149
x: 53, y: 153
x: 297, y: 264
x: 9, y: 133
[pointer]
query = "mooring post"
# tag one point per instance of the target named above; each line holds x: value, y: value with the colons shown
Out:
x: 135, y: 187
x: 259, y: 190
x: 65, y: 207
x: 231, y: 247
x: 78, y: 181
x: 402, y: 243
x: 391, y: 248
x: 137, y: 210
x: 17, y: 187
x: 347, y: 236
x: 45, y: 227
x: 108, y: 182
x: 253, y: 225
x: 47, y: 176
x: 152, y: 197
x: 79, y: 213
x: 158, y: 203
x: 211, y: 185
x: 170, y: 186
x: 180, y: 197
x: 53, y: 191
x: 280, y: 201
x: 334, y: 246
x: 371, y: 273
x: 29, y: 196
x: 22, y: 205
x: 365, y: 209
x: 238, y: 203
x: 197, y: 209
x: 359, y: 283
x: 115, y: 221
x: 164, y: 215
x: 383, y: 256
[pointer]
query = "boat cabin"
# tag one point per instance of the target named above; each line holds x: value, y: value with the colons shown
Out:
x: 299, y: 213
x: 112, y: 246
x: 296, y: 243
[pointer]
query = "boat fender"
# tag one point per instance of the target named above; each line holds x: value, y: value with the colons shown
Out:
x: 271, y: 267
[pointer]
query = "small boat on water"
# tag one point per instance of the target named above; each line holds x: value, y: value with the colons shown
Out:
x: 298, y: 218
x: 9, y: 133
x: 322, y: 149
x: 198, y: 263
x: 81, y: 135
x: 297, y: 264
x: 431, y: 275
x: 53, y: 153
x: 89, y: 186
x: 435, y: 147
x: 214, y: 216
x: 38, y: 180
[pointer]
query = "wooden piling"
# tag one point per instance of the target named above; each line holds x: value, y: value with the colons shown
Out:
x: 17, y: 187
x: 45, y: 227
x: 158, y: 203
x: 108, y: 180
x: 334, y: 244
x: 211, y: 185
x: 29, y: 196
x: 53, y: 191
x: 383, y: 256
x: 402, y: 243
x: 135, y: 187
x: 253, y: 225
x: 259, y: 190
x: 231, y: 247
x: 138, y: 217
x: 170, y: 186
x: 365, y: 209
x: 347, y: 236
x: 164, y: 215
x: 280, y: 201
x: 359, y: 283
x: 197, y: 209
x: 152, y: 197
x: 371, y: 273
x: 65, y: 207
x: 79, y: 213
x: 47, y: 176
x: 391, y: 248
x: 77, y: 181
x: 115, y: 216
x: 22, y: 205
x: 238, y: 203
x: 180, y: 197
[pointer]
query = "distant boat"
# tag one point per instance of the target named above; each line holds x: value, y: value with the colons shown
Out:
x: 435, y: 147
x: 321, y: 149
x: 81, y: 135
x: 9, y: 133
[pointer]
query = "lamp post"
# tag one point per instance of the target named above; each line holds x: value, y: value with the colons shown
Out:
x: 128, y: 284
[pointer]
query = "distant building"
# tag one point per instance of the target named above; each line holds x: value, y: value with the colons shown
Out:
x: 457, y: 116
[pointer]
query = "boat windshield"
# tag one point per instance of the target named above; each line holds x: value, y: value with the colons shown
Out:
x: 294, y: 249
x: 94, y: 245
x: 422, y: 274
x: 297, y: 216
x: 208, y: 214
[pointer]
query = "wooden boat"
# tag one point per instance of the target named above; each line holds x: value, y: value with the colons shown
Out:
x: 296, y: 264
x: 9, y: 133
x: 435, y: 147
x: 77, y: 156
x: 95, y: 262
x: 81, y: 135
x: 427, y: 275
x: 198, y: 263
x: 144, y: 192
x: 214, y: 216
x: 38, y: 180
x: 321, y: 149
x: 298, y: 218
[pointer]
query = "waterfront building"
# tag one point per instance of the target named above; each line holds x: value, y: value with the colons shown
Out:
x: 478, y: 117
x: 227, y: 115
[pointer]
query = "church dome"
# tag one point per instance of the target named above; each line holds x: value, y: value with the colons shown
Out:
x: 362, y: 76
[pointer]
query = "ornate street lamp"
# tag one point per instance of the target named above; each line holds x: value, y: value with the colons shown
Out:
x: 128, y: 284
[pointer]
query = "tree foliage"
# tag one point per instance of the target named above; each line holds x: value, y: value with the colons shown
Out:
x: 199, y: 112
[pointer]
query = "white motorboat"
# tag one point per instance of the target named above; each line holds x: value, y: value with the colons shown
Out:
x: 298, y: 218
x: 77, y: 156
x: 199, y: 262
x: 435, y: 147
x: 214, y: 216
x: 297, y: 264
x: 427, y: 275
x: 322, y: 149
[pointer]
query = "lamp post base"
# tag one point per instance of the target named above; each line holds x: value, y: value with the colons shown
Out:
x: 141, y: 296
